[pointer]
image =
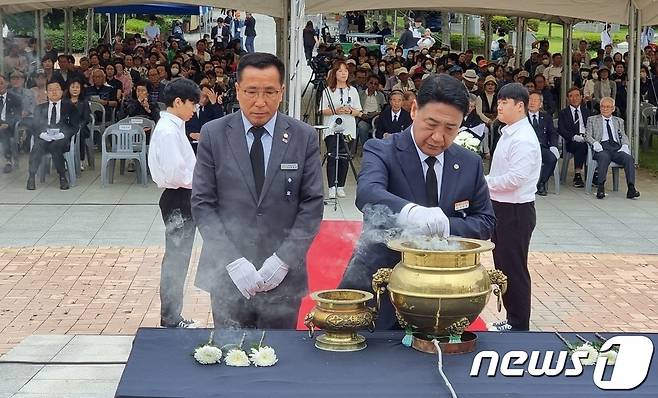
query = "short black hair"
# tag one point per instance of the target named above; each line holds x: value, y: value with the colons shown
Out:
x: 261, y: 61
x: 184, y: 89
x: 443, y: 88
x: 515, y: 92
x: 55, y: 81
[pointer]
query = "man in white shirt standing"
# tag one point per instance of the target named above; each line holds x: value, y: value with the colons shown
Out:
x: 512, y: 181
x: 606, y: 37
x: 152, y: 30
x: 172, y: 160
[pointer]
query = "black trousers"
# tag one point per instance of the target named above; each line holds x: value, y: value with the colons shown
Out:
x: 56, y: 148
x: 343, y: 164
x: 6, y: 134
x: 179, y: 235
x: 579, y: 150
x: 609, y: 155
x: 264, y: 311
x: 548, y: 161
x: 514, y: 225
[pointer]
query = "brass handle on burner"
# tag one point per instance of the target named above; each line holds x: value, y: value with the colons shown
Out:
x: 499, y: 279
x: 379, y: 282
x: 308, y: 322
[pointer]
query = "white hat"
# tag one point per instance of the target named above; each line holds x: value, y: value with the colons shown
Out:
x: 351, y: 61
x: 400, y: 71
x: 470, y: 76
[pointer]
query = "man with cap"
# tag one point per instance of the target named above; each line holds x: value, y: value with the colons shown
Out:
x: 456, y: 72
x: 470, y: 79
x: 351, y: 68
x: 533, y: 62
x: 404, y: 84
x: 483, y: 67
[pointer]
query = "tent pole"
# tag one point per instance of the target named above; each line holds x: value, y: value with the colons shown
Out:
x: 524, y: 39
x: 90, y: 27
x: 445, y: 28
x: 630, y: 87
x: 301, y: 59
x: 637, y: 99
x: 395, y: 23
x: 566, y: 62
x: 42, y: 36
x: 487, y: 37
x: 519, y: 41
x: 66, y: 31
x: 2, y: 41
x: 123, y: 26
x: 464, y: 32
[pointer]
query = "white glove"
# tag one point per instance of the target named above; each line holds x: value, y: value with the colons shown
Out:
x: 46, y: 137
x: 59, y: 136
x: 245, y: 277
x: 597, y: 146
x: 625, y: 149
x: 578, y: 138
x: 555, y: 151
x: 273, y: 272
x: 429, y: 221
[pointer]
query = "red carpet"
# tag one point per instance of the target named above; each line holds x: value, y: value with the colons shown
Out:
x: 328, y: 257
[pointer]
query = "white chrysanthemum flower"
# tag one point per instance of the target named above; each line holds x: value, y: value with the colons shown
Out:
x: 263, y: 356
x: 592, y: 354
x: 473, y: 142
x: 611, y: 356
x: 207, y: 355
x: 236, y: 357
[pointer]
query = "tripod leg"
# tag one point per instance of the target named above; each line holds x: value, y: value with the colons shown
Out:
x: 349, y: 159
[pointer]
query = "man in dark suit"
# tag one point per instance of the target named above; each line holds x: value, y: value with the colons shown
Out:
x: 11, y: 108
x: 207, y: 110
x: 249, y: 33
x: 572, y: 125
x: 55, y: 121
x: 257, y: 199
x: 393, y: 119
x: 67, y: 72
x: 547, y: 136
x: 433, y: 186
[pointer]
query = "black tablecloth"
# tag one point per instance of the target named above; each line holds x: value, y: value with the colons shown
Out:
x: 161, y: 365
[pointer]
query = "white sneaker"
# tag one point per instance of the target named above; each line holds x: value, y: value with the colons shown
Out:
x: 341, y: 192
x: 332, y: 193
x: 502, y: 326
x: 82, y: 167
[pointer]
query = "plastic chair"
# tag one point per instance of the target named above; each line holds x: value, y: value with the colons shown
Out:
x: 127, y: 142
x: 70, y: 158
x: 145, y: 124
x: 591, y: 168
x: 650, y: 126
x: 89, y: 144
x: 374, y: 125
x: 566, y: 158
x: 99, y: 125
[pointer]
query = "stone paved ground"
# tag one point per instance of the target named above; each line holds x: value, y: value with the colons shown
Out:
x: 113, y: 290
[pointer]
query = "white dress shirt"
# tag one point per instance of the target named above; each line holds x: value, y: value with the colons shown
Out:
x: 171, y: 158
x: 58, y: 106
x: 605, y: 136
x: 3, y: 115
x: 516, y: 164
x: 266, y: 139
x: 395, y: 115
x: 605, y: 39
x: 581, y: 123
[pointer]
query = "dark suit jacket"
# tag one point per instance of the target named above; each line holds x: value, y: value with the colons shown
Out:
x: 392, y: 175
x: 208, y: 113
x: 385, y: 123
x: 235, y: 223
x: 250, y: 27
x: 74, y: 75
x: 14, y: 111
x: 566, y: 126
x: 69, y: 121
x: 545, y: 132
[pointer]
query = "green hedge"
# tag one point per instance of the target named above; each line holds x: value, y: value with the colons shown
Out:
x: 78, y: 39
x: 474, y: 43
x: 135, y: 26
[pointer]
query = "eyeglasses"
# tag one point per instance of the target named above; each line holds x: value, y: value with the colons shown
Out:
x: 267, y: 94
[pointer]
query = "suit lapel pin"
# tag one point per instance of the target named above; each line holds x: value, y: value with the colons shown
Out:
x: 285, y: 137
x: 455, y: 166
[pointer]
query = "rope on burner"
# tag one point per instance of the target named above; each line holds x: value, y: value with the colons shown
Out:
x: 440, y: 365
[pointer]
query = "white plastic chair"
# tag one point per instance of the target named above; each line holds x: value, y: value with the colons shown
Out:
x: 99, y: 124
x: 127, y: 142
x: 72, y: 159
x: 650, y: 125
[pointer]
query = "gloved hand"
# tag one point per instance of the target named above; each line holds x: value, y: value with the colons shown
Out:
x: 625, y: 148
x: 555, y: 151
x: 245, y: 277
x: 597, y: 147
x: 273, y: 272
x: 46, y: 137
x: 578, y: 138
x: 429, y: 221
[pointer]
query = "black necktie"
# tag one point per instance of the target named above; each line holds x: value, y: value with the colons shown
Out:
x: 576, y: 117
x: 431, y: 185
x: 535, y: 122
x: 53, y: 115
x: 258, y: 158
x: 395, y: 118
x: 2, y: 103
x: 611, y: 135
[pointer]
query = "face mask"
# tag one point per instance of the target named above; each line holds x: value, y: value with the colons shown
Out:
x: 646, y: 63
x: 584, y: 75
x: 410, y: 56
x: 545, y: 62
x: 428, y: 66
x: 174, y: 71
x: 595, y: 75
x: 491, y: 69
x: 382, y: 69
x: 398, y: 54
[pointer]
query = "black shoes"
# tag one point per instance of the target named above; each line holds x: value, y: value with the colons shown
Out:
x: 541, y: 189
x: 182, y: 324
x: 63, y: 183
x: 8, y: 168
x: 632, y: 193
x: 31, y: 185
x: 578, y: 181
x: 600, y: 191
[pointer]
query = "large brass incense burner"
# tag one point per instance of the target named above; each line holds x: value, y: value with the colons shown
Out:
x: 439, y: 293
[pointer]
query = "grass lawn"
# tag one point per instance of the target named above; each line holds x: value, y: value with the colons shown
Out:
x: 556, y: 35
x: 649, y: 159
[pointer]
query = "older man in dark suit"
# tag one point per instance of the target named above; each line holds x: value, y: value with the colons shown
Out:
x: 208, y: 109
x: 11, y: 108
x: 257, y: 199
x: 572, y: 122
x: 393, y: 119
x: 543, y: 125
x: 56, y: 121
x: 431, y: 185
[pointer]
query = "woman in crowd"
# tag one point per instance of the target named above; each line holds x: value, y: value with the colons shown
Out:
x: 111, y: 79
x: 427, y: 41
x: 123, y: 76
x: 310, y: 39
x: 487, y: 103
x: 408, y: 99
x: 339, y: 101
x: 74, y: 93
x: 139, y: 105
x: 474, y: 125
x: 39, y: 90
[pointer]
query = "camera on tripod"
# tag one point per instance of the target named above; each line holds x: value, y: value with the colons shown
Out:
x: 337, y: 126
